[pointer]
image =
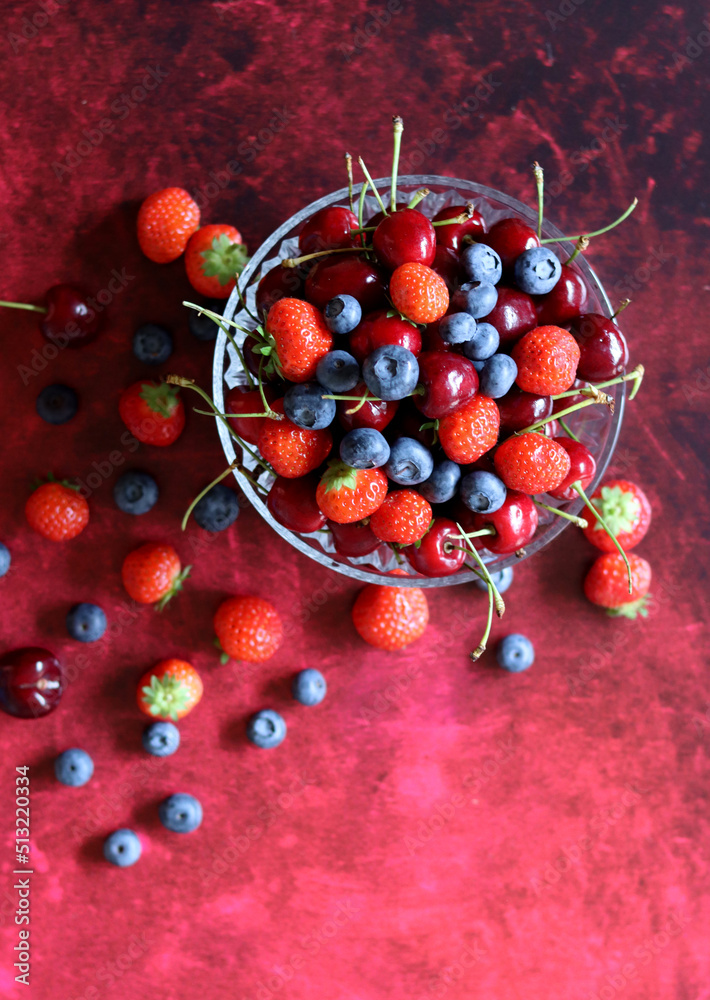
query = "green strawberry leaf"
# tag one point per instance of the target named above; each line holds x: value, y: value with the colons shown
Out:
x: 161, y: 399
x: 224, y: 260
x: 631, y: 610
x: 339, y: 477
x: 619, y: 508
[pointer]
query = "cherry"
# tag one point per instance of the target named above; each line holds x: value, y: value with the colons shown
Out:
x: 520, y: 409
x: 31, y: 682
x: 447, y: 266
x: 280, y: 283
x: 582, y: 469
x: 353, y: 540
x: 513, y: 315
x: 566, y: 300
x: 328, y: 229
x: 433, y: 341
x: 69, y: 318
x: 375, y: 413
x: 515, y: 524
x: 439, y: 554
x: 377, y: 218
x: 346, y: 274
x: 360, y: 340
x: 408, y: 423
x: 395, y: 330
x: 404, y: 237
x: 293, y: 503
x: 253, y: 359
x: 452, y: 236
x: 603, y: 350
x: 449, y: 382
x: 242, y: 399
x: 509, y: 238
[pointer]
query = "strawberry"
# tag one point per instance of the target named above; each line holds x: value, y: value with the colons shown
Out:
x: 531, y: 463
x: 301, y: 338
x: 56, y: 511
x: 248, y: 628
x: 390, y: 617
x: 241, y: 399
x: 471, y: 431
x: 626, y: 509
x: 403, y: 517
x: 419, y: 293
x: 547, y: 359
x: 214, y: 256
x: 153, y: 412
x: 292, y: 451
x: 607, y: 585
x: 166, y: 221
x: 152, y: 574
x: 347, y: 495
x: 170, y: 690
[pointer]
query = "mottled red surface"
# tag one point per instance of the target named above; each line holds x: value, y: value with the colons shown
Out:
x: 408, y: 839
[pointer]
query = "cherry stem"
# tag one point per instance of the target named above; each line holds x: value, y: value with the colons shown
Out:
x: 582, y: 244
x: 597, y: 232
x: 499, y: 602
x: 224, y: 325
x: 540, y: 185
x: 481, y: 647
x: 372, y: 185
x: 566, y: 429
x: 264, y: 400
x: 349, y: 168
x: 295, y: 261
x: 257, y: 485
x: 397, y: 128
x: 243, y: 303
x: 24, y: 305
x: 599, y: 397
x: 457, y: 220
x: 418, y: 196
x: 578, y: 487
x: 636, y: 375
x: 234, y: 416
x: 205, y: 491
x: 579, y: 521
x: 622, y: 305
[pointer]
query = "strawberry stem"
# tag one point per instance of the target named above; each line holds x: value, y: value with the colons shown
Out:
x: 176, y: 587
x: 24, y: 305
x: 418, y: 196
x: 540, y: 185
x: 372, y: 185
x: 597, y: 232
x: 220, y: 477
x: 579, y: 521
x: 349, y: 168
x: 597, y: 514
x: 397, y: 128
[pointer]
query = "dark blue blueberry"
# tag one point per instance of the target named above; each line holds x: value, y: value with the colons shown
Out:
x: 515, y: 653
x: 161, y: 739
x: 86, y: 622
x: 483, y: 344
x: 135, y: 492
x: 338, y: 371
x: 364, y: 448
x: 122, y: 848
x: 502, y: 579
x: 57, y: 403
x: 537, y: 271
x: 497, y: 376
x: 409, y: 463
x: 482, y: 492
x: 304, y: 406
x: 342, y: 314
x: 457, y: 328
x: 266, y: 729
x: 180, y: 813
x: 478, y: 365
x: 74, y: 768
x: 481, y: 263
x: 202, y: 326
x: 442, y: 483
x: 477, y: 298
x: 217, y: 509
x: 152, y: 344
x: 5, y: 559
x: 309, y: 687
x: 390, y: 372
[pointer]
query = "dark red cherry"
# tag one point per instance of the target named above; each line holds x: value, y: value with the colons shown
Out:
x: 328, y: 229
x: 360, y: 340
x: 449, y: 382
x: 602, y: 346
x: 346, y: 274
x: 404, y: 237
x: 408, y: 423
x: 520, y: 409
x: 566, y: 300
x: 71, y: 320
x: 253, y: 359
x: 432, y: 339
x: 514, y: 314
x: 447, y: 265
x: 515, y: 524
x: 280, y: 283
x: 31, y: 682
x: 551, y: 429
x: 452, y: 236
x: 509, y: 238
x: 377, y: 413
x: 292, y: 502
x: 242, y: 399
x: 377, y: 218
x: 378, y: 329
x: 353, y: 540
x: 440, y: 552
x: 582, y: 468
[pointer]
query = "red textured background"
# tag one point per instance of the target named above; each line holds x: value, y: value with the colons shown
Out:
x: 408, y: 839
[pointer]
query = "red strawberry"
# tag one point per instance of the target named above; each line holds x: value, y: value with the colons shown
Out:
x: 152, y: 574
x: 547, y: 359
x: 214, y: 256
x: 403, y: 517
x: 531, y: 463
x: 607, y: 585
x: 170, y: 690
x: 248, y: 628
x: 346, y: 495
x: 471, y: 431
x: 292, y: 451
x: 166, y: 221
x: 419, y: 293
x: 626, y: 509
x: 57, y: 512
x: 153, y: 412
x: 241, y: 399
x: 301, y: 337
x: 390, y: 617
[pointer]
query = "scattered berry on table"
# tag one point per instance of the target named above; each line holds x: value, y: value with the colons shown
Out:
x: 537, y: 271
x: 626, y: 509
x: 531, y: 463
x: 152, y: 344
x: 248, y: 628
x: 483, y: 344
x: 410, y: 462
x: 166, y: 221
x: 31, y: 682
x: 266, y: 729
x: 57, y: 404
x: 217, y: 509
x: 122, y: 848
x: 70, y: 320
x: 443, y: 483
x: 135, y: 492
x: 73, y: 768
x: 301, y: 338
x: 346, y: 495
x: 214, y: 256
x: 403, y: 517
x: 161, y: 739
x: 309, y: 687
x: 5, y: 559
x: 502, y: 578
x: 57, y: 512
x: 364, y: 448
x: 180, y: 813
x: 338, y: 372
x: 470, y: 431
x: 390, y: 372
x: 292, y: 502
x: 497, y: 376
x: 419, y: 293
x: 152, y: 574
x: 481, y: 263
x: 169, y: 690
x: 482, y: 492
x: 390, y: 617
x: 292, y: 451
x: 153, y: 412
x: 547, y: 360
x: 457, y: 328
x: 515, y: 653
x: 204, y: 327
x: 607, y: 585
x: 477, y: 298
x: 305, y: 406
x: 86, y: 622
x: 342, y: 314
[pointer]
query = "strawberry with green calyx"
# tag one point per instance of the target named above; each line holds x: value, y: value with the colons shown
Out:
x: 152, y: 574
x: 170, y: 690
x: 214, y: 257
x: 346, y: 495
x: 301, y: 337
x: 606, y: 585
x: 153, y: 412
x: 56, y: 511
x: 625, y: 509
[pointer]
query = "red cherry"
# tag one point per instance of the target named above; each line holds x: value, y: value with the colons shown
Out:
x: 404, y: 237
x: 433, y: 341
x: 449, y: 381
x: 515, y: 523
x: 346, y: 274
x: 408, y: 423
x: 328, y: 229
x: 242, y: 399
x: 360, y: 340
x: 439, y: 554
x: 551, y: 429
x: 447, y: 265
x: 280, y: 283
x: 509, y: 238
x: 582, y: 469
x: 603, y: 352
x: 253, y: 360
x: 377, y: 413
x: 452, y: 236
x: 566, y: 300
x: 520, y: 409
x: 70, y: 320
x: 31, y: 682
x: 377, y: 218
x: 388, y: 330
x: 353, y: 540
x: 293, y: 503
x: 513, y: 315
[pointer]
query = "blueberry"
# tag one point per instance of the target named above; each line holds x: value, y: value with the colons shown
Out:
x: 135, y: 492
x: 338, y: 371
x: 266, y: 729
x: 309, y: 687
x: 202, y: 327
x: 217, y: 509
x: 342, y: 314
x: 409, y: 462
x: 57, y: 403
x: 122, y: 848
x: 481, y: 263
x: 515, y: 653
x: 457, y: 328
x: 477, y: 298
x: 390, y: 372
x: 478, y: 365
x: 482, y: 492
x: 305, y: 407
x: 152, y: 344
x: 483, y: 344
x: 497, y: 376
x: 86, y: 622
x: 502, y: 579
x: 364, y: 448
x: 442, y: 483
x: 74, y: 768
x: 537, y: 271
x: 161, y: 739
x: 180, y: 813
x: 5, y: 559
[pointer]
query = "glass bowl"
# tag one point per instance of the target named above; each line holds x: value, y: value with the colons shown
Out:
x: 596, y: 426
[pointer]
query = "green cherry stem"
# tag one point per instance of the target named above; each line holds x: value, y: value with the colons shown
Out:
x: 597, y: 232
x: 24, y: 305
x: 599, y: 397
x: 580, y: 247
x: 622, y: 305
x: 499, y: 602
x: 243, y: 304
x: 481, y: 647
x: 349, y: 169
x: 272, y: 415
x: 457, y: 220
x: 540, y: 185
x: 636, y: 375
x: 295, y: 261
x: 264, y: 400
x: 205, y: 491
x: 372, y: 185
x: 579, y: 521
x: 418, y: 196
x: 578, y: 487
x: 361, y: 206
x: 397, y: 129
x: 567, y: 431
